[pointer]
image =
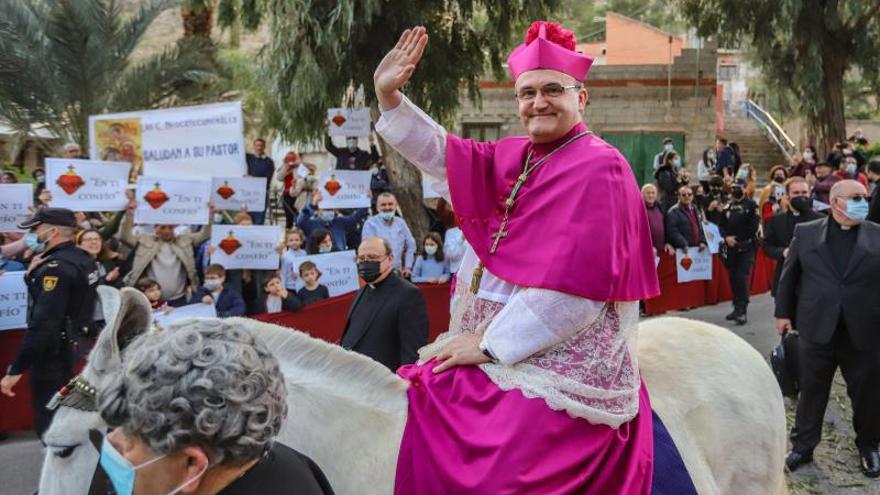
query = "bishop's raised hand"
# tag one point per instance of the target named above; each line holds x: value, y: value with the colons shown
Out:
x: 398, y: 66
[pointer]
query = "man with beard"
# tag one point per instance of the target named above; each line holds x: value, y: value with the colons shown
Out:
x: 779, y: 230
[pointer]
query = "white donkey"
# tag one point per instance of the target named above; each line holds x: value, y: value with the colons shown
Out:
x: 715, y: 393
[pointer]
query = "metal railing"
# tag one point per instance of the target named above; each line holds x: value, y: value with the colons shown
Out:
x: 770, y: 128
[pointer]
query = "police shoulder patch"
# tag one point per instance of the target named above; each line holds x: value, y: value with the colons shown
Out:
x: 49, y: 283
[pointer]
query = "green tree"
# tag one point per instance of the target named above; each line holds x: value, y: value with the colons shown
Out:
x: 323, y: 52
x: 67, y: 59
x: 805, y: 45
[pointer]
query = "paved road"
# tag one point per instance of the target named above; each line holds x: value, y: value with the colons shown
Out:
x: 835, y: 471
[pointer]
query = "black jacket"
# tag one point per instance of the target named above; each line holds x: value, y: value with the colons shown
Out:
x: 815, y: 296
x: 62, y: 295
x: 678, y: 228
x: 778, y: 232
x: 388, y: 323
x: 281, y: 470
x: 874, y: 211
x: 348, y: 160
x: 667, y: 184
x: 741, y: 220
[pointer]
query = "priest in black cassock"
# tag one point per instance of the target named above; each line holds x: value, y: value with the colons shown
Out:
x: 388, y: 320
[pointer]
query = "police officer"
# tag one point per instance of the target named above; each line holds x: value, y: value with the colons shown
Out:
x: 62, y: 283
x: 739, y: 226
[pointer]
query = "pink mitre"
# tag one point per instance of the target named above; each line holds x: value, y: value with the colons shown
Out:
x: 548, y: 46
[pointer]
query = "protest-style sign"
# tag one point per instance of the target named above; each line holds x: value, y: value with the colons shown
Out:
x: 338, y: 271
x: 344, y: 189
x: 231, y: 193
x: 348, y: 122
x: 172, y: 201
x: 197, y: 310
x: 13, y: 301
x: 713, y: 237
x: 695, y: 265
x: 16, y: 201
x: 198, y: 141
x: 87, y: 185
x: 246, y: 246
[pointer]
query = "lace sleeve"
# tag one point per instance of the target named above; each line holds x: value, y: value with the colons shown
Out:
x: 537, y: 319
x: 416, y: 136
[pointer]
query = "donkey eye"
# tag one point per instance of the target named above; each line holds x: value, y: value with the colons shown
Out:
x: 64, y: 452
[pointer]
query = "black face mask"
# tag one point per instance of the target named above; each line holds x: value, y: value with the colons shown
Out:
x: 369, y: 270
x: 738, y: 194
x: 779, y: 178
x: 802, y: 204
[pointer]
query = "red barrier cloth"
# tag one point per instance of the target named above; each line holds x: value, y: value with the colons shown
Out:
x: 15, y: 412
x: 674, y: 296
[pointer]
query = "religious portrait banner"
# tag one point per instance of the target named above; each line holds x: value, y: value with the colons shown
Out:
x: 199, y: 141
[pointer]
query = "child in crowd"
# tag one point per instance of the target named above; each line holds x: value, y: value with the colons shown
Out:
x: 153, y: 291
x: 293, y: 248
x: 278, y: 298
x: 431, y: 267
x: 226, y: 300
x: 312, y: 291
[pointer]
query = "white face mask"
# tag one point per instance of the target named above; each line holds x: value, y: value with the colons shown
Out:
x: 808, y: 155
x: 667, y: 147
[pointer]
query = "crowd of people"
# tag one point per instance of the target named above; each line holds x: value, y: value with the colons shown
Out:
x: 726, y: 194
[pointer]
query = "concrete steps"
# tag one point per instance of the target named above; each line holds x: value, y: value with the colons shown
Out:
x: 754, y: 147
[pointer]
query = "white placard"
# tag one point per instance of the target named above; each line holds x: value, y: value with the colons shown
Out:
x: 13, y: 301
x: 344, y: 189
x: 231, y: 193
x: 197, y: 310
x: 348, y: 122
x: 696, y: 265
x: 87, y: 185
x: 16, y: 201
x: 338, y: 271
x: 713, y: 237
x: 172, y: 201
x: 199, y: 141
x: 246, y: 246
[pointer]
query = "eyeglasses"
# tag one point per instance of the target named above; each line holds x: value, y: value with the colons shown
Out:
x: 685, y: 195
x: 552, y: 90
x: 372, y: 257
x: 856, y: 197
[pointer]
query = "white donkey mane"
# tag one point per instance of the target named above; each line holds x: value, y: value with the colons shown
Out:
x: 312, y: 363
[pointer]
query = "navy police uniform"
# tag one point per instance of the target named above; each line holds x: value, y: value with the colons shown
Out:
x: 741, y: 221
x: 62, y: 292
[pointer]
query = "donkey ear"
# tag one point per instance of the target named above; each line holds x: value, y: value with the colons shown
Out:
x: 128, y: 314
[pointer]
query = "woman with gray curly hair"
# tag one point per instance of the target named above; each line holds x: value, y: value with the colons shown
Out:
x: 195, y: 410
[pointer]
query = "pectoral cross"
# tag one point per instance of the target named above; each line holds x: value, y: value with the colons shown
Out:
x: 501, y: 234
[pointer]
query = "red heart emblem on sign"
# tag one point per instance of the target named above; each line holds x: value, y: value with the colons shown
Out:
x: 686, y: 263
x: 338, y: 119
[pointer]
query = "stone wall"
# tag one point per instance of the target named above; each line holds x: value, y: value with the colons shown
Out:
x: 627, y: 98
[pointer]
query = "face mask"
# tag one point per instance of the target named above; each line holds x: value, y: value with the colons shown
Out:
x: 802, y: 204
x: 667, y: 147
x: 387, y: 215
x: 430, y: 250
x: 32, y: 240
x: 856, y: 210
x: 352, y: 144
x: 742, y: 174
x: 808, y: 155
x: 213, y: 284
x: 779, y: 178
x: 847, y: 151
x: 218, y: 217
x: 374, y: 171
x: 710, y: 156
x: 41, y: 179
x: 738, y: 194
x: 851, y: 169
x: 325, y: 249
x: 122, y: 473
x: 327, y: 215
x: 369, y: 270
x: 676, y: 162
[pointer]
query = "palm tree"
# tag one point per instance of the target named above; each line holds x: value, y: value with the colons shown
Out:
x: 63, y: 60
